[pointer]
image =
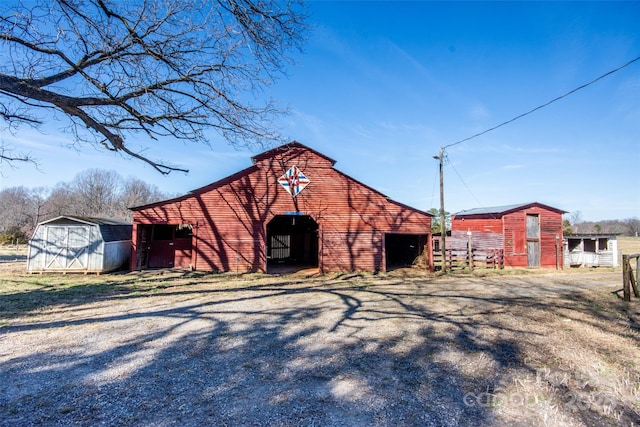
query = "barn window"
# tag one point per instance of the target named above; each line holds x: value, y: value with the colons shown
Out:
x: 162, y: 232
x: 184, y: 231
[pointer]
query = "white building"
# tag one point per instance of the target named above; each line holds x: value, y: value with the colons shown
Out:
x: 590, y: 250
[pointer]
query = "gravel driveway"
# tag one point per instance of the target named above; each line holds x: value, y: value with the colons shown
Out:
x: 175, y: 348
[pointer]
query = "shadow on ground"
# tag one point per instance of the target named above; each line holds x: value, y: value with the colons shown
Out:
x: 347, y: 351
x: 12, y: 258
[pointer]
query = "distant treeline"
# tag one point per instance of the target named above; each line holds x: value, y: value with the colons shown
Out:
x: 573, y: 223
x: 106, y: 194
x: 94, y: 193
x: 624, y: 227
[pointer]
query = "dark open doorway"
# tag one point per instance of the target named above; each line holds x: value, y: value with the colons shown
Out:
x: 292, y: 243
x: 404, y: 250
x: 165, y: 245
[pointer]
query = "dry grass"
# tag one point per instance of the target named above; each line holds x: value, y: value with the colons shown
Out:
x: 181, y: 348
x: 628, y: 245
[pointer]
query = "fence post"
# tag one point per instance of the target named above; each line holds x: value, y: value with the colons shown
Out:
x: 635, y: 287
x: 626, y: 280
x: 632, y: 279
x: 469, y: 250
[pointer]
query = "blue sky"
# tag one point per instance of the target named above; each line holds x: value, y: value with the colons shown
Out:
x: 382, y: 85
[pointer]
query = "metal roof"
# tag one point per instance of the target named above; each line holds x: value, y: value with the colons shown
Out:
x: 491, y: 210
x: 503, y: 209
x: 88, y: 220
x: 112, y: 230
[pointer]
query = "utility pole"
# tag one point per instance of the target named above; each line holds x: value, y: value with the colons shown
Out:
x: 443, y: 226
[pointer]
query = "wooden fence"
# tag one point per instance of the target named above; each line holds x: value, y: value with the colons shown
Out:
x: 480, y: 258
x: 629, y: 281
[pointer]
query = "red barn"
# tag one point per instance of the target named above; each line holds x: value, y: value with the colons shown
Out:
x: 530, y: 234
x: 290, y: 209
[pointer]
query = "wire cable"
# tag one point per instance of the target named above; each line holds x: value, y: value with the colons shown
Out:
x: 464, y: 183
x: 545, y: 104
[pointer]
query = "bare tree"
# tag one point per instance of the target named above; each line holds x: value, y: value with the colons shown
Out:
x: 61, y: 201
x: 96, y: 192
x: 162, y: 68
x: 576, y: 220
x: 136, y: 192
x: 632, y: 226
x: 14, y: 206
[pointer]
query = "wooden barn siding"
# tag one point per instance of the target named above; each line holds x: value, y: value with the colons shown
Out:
x: 516, y: 241
x: 230, y: 216
x: 479, y: 240
x: 480, y: 224
x: 486, y: 232
x: 512, y: 229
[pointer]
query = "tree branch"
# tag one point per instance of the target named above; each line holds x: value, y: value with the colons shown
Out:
x: 162, y: 67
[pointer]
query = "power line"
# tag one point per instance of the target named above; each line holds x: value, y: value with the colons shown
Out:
x: 463, y: 182
x: 545, y: 104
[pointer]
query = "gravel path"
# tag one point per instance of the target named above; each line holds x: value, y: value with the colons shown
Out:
x: 353, y: 350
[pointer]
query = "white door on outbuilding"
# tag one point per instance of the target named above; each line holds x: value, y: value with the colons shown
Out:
x: 67, y: 247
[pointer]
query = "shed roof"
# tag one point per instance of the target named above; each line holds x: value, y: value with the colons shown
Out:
x: 612, y: 236
x: 112, y: 230
x: 87, y: 220
x: 116, y: 232
x: 502, y: 210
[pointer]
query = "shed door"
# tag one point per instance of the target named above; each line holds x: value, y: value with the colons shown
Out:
x: 533, y: 240
x: 67, y: 248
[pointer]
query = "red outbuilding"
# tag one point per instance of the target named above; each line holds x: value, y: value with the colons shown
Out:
x: 291, y: 209
x: 530, y: 233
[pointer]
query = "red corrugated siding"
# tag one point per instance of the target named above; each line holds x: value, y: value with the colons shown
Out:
x: 550, y: 227
x: 230, y: 216
x: 513, y: 228
x: 515, y: 242
x: 480, y: 225
x: 479, y: 240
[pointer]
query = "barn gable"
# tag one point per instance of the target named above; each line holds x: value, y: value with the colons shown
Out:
x: 291, y: 206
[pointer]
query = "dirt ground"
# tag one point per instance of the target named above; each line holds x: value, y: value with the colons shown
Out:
x: 404, y: 348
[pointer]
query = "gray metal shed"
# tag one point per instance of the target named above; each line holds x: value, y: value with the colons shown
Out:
x: 79, y: 244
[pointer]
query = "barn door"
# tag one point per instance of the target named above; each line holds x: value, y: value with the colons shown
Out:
x: 161, y: 247
x: 292, y: 242
x: 67, y: 248
x: 533, y: 253
x: 168, y: 246
x: 533, y: 240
